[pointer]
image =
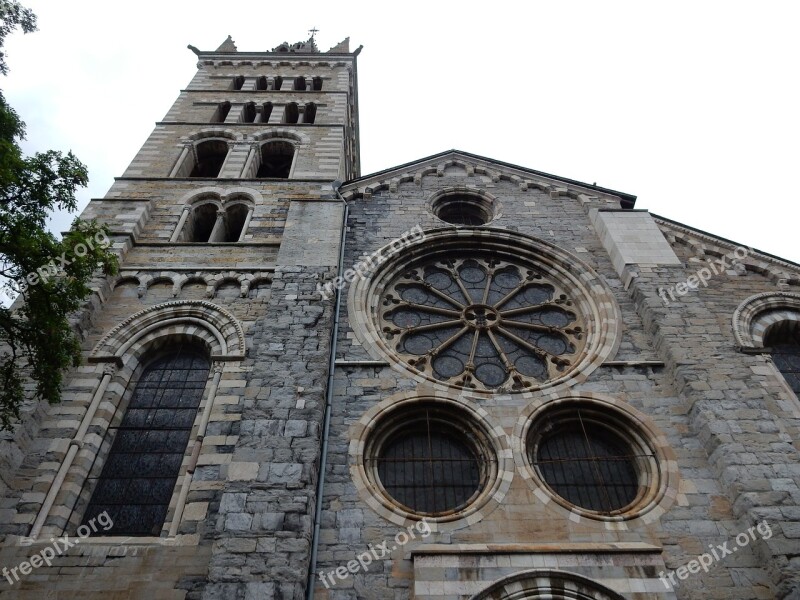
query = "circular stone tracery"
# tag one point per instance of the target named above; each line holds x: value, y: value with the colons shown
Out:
x: 481, y: 323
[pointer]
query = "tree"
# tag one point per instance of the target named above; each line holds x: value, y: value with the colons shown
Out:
x: 49, y: 277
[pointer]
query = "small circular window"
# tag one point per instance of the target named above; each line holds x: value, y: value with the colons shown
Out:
x: 592, y: 460
x: 429, y: 461
x: 463, y: 209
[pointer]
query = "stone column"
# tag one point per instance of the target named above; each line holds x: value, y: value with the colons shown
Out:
x: 181, y: 223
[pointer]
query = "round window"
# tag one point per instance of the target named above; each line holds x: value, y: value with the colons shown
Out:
x: 463, y: 209
x: 481, y: 323
x: 485, y: 310
x: 429, y: 461
x: 592, y: 460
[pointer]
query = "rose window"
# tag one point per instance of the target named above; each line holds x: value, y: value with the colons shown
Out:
x: 481, y: 323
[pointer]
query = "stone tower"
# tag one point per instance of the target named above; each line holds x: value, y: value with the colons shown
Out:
x: 226, y: 223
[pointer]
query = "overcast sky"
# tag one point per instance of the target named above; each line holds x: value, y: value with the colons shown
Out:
x: 691, y: 106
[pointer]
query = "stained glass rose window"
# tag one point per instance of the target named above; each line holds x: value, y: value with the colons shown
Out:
x: 482, y: 323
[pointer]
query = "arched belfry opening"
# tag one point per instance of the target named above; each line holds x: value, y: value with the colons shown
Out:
x: 276, y: 160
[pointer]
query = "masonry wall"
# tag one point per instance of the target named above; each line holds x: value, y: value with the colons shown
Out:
x: 724, y: 415
x: 246, y: 523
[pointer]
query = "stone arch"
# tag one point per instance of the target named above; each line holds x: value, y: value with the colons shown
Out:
x: 226, y: 279
x: 546, y: 584
x: 220, y: 195
x: 125, y: 280
x: 198, y: 219
x: 282, y: 134
x: 214, y: 327
x: 214, y: 132
x: 754, y: 318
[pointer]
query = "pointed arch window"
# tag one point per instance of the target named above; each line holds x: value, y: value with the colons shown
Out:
x: 300, y: 83
x: 137, y: 480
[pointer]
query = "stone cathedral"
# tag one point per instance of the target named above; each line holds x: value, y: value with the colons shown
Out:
x: 454, y: 379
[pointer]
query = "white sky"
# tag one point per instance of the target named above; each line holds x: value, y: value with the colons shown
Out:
x: 691, y: 106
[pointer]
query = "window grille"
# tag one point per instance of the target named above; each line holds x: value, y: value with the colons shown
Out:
x: 431, y: 466
x: 139, y: 475
x: 589, y: 465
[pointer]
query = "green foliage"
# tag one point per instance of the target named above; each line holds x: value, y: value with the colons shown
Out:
x: 13, y: 15
x: 50, y: 276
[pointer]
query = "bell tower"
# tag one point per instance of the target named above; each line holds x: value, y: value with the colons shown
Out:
x: 227, y: 222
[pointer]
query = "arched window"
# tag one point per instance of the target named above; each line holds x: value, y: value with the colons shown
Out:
x: 266, y: 112
x: 278, y: 82
x: 235, y: 219
x: 238, y: 82
x: 207, y: 223
x: 316, y: 84
x: 300, y: 84
x: 783, y: 341
x: 276, y: 160
x: 261, y: 83
x: 137, y: 480
x: 249, y: 112
x: 204, y: 217
x: 211, y: 155
x: 291, y: 113
x: 221, y: 113
x: 309, y: 112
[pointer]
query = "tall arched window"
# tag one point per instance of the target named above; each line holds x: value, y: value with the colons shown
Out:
x: 261, y: 83
x: 249, y: 112
x: 266, y: 112
x: 309, y: 113
x: 278, y: 82
x: 291, y: 113
x: 137, y: 480
x: 211, y: 155
x: 202, y: 222
x: 238, y: 82
x: 316, y: 83
x: 235, y: 218
x: 783, y: 341
x: 300, y: 83
x: 221, y: 113
x: 276, y: 160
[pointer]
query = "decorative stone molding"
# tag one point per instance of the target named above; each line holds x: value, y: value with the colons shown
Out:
x: 542, y: 584
x: 588, y: 294
x: 754, y: 317
x: 178, y: 280
x: 496, y: 484
x: 219, y: 330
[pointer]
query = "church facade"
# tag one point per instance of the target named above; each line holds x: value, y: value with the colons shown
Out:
x: 453, y: 379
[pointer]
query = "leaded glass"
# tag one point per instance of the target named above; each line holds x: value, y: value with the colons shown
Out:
x: 138, y: 477
x: 786, y: 356
x: 481, y: 323
x: 589, y: 464
x: 430, y: 467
